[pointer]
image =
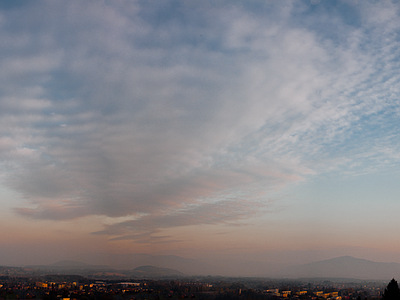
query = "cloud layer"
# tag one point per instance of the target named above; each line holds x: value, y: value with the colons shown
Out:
x: 180, y: 114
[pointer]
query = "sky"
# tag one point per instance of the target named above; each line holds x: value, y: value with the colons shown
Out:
x: 264, y: 130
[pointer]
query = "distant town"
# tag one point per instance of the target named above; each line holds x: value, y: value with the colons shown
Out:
x: 22, y: 283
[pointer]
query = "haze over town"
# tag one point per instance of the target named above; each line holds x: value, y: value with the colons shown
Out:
x: 227, y: 132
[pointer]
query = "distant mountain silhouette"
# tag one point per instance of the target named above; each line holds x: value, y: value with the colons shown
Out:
x: 345, y: 267
x: 69, y: 263
x: 65, y: 265
x: 151, y: 271
x: 147, y: 265
x: 72, y: 267
x: 131, y: 261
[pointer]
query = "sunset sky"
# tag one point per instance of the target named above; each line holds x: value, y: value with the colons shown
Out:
x: 263, y: 129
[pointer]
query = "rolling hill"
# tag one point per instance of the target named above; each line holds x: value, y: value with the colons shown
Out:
x: 345, y: 267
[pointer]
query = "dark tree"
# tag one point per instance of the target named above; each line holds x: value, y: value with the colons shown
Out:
x: 392, y: 291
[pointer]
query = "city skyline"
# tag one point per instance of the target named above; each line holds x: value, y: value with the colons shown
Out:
x: 243, y: 130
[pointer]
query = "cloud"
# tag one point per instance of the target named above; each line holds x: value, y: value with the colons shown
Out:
x: 227, y: 211
x: 127, y: 109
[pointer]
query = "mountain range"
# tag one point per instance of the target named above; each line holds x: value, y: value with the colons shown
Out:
x: 131, y: 261
x: 345, y: 267
x: 146, y: 265
x: 69, y: 267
